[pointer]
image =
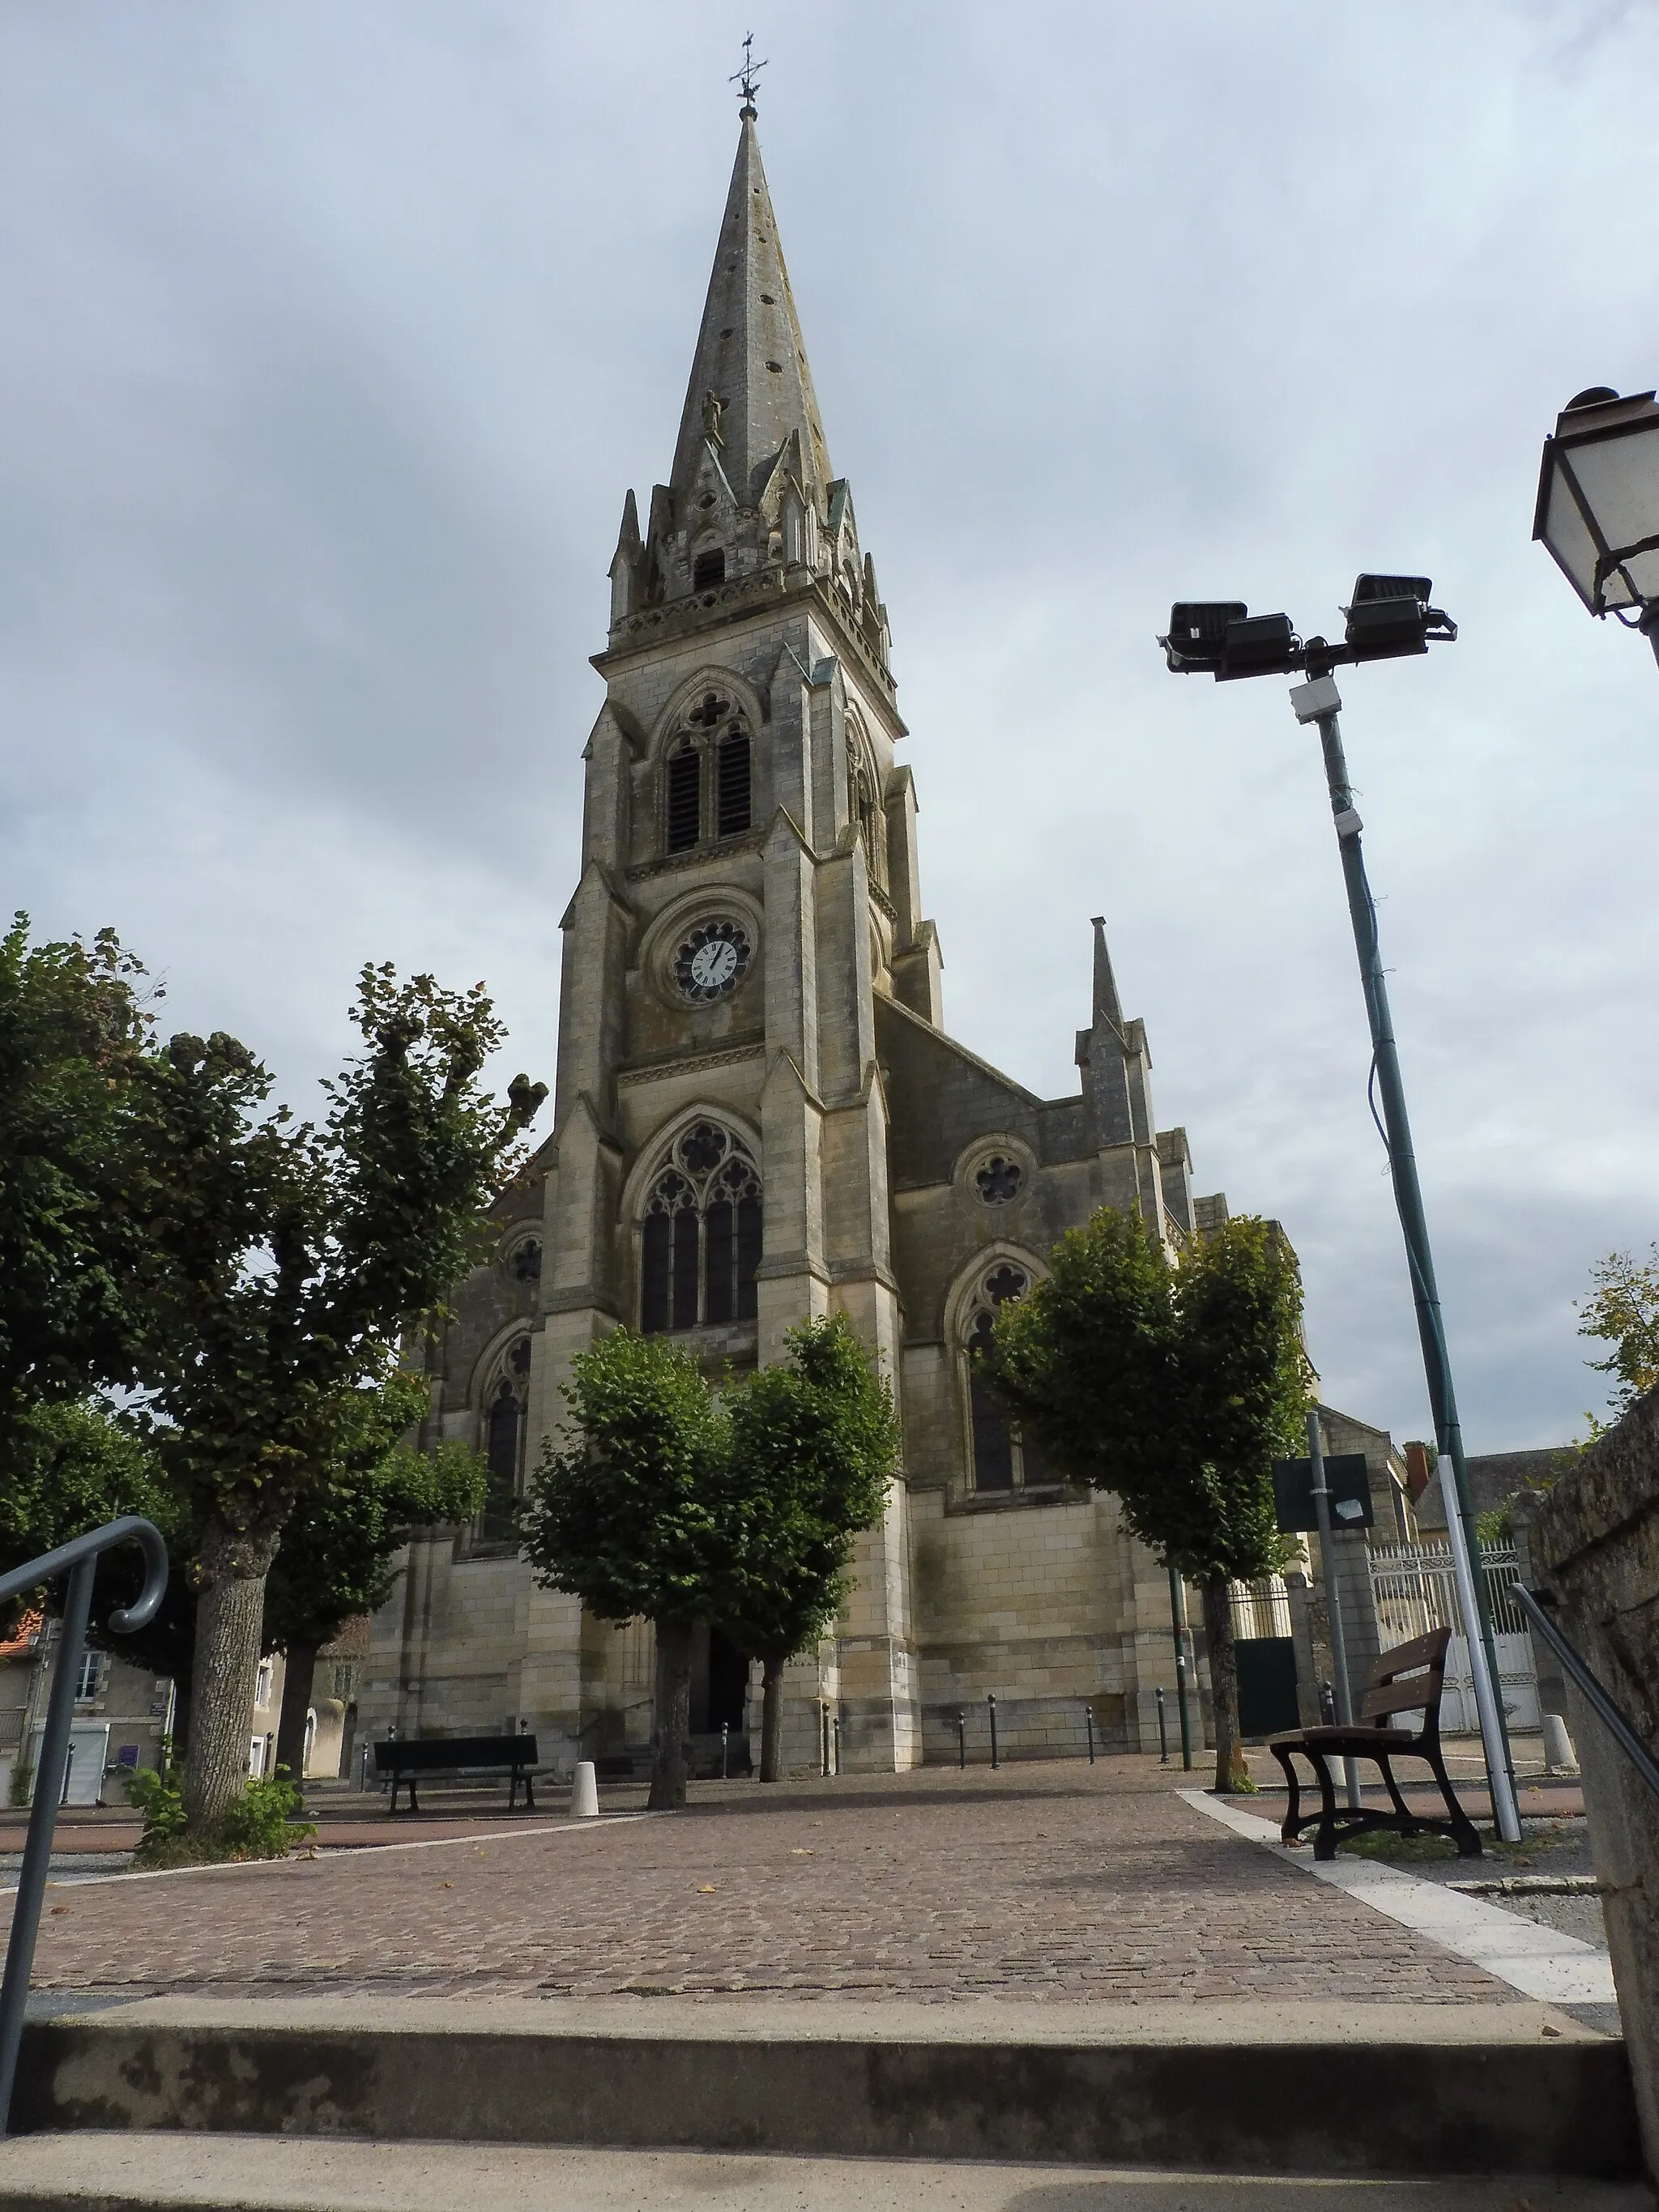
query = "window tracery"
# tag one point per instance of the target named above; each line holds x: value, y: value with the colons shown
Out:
x: 864, y: 803
x: 505, y: 1424
x: 700, y: 1233
x: 1004, y: 1456
x: 708, y: 776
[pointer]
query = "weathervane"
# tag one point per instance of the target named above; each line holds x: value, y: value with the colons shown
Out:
x: 745, y: 78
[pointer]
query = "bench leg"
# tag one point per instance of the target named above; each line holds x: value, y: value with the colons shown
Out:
x: 414, y: 1802
x: 1465, y: 1834
x: 1292, y: 1824
x: 1408, y: 1825
x: 1325, y: 1838
x: 529, y: 1793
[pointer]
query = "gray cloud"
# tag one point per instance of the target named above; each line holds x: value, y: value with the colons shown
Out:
x: 336, y: 337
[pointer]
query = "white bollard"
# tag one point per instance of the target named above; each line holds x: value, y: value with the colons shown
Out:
x: 584, y: 1793
x: 1559, y: 1757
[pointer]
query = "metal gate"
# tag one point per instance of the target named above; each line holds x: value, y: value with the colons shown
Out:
x: 1265, y: 1657
x: 1415, y: 1590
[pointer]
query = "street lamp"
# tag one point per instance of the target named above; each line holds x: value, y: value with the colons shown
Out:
x: 1388, y: 616
x: 1598, y: 505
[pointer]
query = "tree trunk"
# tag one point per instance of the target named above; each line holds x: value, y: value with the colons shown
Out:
x: 229, y: 1619
x: 1231, y: 1771
x: 671, y: 1727
x: 771, y: 1719
x: 299, y: 1678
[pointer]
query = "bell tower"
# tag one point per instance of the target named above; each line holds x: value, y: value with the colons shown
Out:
x: 718, y: 1168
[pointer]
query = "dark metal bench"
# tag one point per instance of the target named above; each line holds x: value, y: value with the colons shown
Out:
x: 403, y: 1758
x: 1422, y: 1664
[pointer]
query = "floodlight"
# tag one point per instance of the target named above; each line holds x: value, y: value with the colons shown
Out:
x: 1198, y: 632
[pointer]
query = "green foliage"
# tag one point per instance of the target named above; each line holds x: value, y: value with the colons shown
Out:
x: 814, y: 1442
x: 21, y: 1788
x: 74, y: 1465
x: 260, y: 1825
x: 1173, y: 1387
x: 73, y: 1257
x: 1496, y: 1527
x: 1623, y: 1310
x: 626, y: 1513
x: 335, y: 1557
x: 155, y: 1792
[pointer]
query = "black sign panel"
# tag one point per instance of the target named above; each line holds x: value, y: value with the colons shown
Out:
x: 1346, y: 1480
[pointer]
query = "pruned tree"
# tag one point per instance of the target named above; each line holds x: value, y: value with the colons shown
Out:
x: 625, y: 1515
x: 295, y: 1256
x: 814, y: 1443
x: 1174, y: 1387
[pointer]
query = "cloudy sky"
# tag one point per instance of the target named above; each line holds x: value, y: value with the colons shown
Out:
x: 335, y: 334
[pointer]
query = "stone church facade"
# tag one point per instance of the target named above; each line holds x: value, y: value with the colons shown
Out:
x: 760, y: 1115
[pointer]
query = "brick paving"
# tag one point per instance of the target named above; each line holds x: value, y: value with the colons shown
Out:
x: 1060, y: 1882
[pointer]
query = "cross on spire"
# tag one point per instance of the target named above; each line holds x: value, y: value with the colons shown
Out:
x: 745, y: 78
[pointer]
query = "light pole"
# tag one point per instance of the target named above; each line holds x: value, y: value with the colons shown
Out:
x: 1598, y: 505
x: 1389, y: 616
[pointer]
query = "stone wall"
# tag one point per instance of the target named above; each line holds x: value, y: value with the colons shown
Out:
x: 1595, y: 1545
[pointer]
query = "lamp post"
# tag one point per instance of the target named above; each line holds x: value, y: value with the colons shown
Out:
x: 1389, y: 616
x: 1598, y: 505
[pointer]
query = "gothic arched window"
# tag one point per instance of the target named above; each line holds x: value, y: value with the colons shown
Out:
x: 700, y: 1236
x: 504, y: 1427
x: 1004, y: 1455
x: 866, y: 809
x: 712, y: 754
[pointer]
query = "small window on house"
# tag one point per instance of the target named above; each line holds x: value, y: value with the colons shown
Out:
x: 91, y: 1674
x: 685, y: 799
x: 707, y: 570
x: 731, y: 783
x: 264, y: 1682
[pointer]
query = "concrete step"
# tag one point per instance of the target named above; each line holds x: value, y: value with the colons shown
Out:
x: 106, y: 2172
x: 1519, y: 2089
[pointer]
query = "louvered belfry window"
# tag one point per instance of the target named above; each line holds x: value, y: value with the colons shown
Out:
x: 700, y: 1241
x: 684, y: 799
x: 732, y: 784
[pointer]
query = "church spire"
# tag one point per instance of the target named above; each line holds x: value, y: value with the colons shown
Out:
x: 750, y: 390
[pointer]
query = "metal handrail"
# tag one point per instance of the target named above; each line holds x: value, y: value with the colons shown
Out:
x: 79, y: 1558
x: 1594, y: 1694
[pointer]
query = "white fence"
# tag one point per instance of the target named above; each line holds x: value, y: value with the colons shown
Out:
x: 1415, y: 1590
x: 1260, y: 1608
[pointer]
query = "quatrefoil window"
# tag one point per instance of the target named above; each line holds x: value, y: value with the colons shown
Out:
x: 999, y: 1179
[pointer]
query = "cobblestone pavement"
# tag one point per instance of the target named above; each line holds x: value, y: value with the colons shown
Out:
x: 1058, y: 1881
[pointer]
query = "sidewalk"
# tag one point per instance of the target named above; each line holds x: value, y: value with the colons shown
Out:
x: 1045, y: 1882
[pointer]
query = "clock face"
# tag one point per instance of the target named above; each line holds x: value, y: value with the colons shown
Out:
x: 712, y: 961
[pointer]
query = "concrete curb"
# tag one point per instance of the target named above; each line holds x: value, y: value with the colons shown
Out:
x: 419, y: 2070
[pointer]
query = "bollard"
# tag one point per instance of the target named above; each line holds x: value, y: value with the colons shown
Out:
x: 962, y: 1737
x: 1559, y: 1757
x: 583, y: 1792
x: 1185, y: 1720
x: 725, y: 1731
x: 1162, y: 1731
x: 834, y: 1740
x: 1327, y: 1704
x: 1089, y: 1724
x: 991, y: 1705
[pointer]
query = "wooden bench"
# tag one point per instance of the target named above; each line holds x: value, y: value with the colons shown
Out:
x: 403, y: 1758
x: 1409, y: 1678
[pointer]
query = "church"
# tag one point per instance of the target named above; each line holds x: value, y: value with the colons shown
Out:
x: 760, y: 1115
